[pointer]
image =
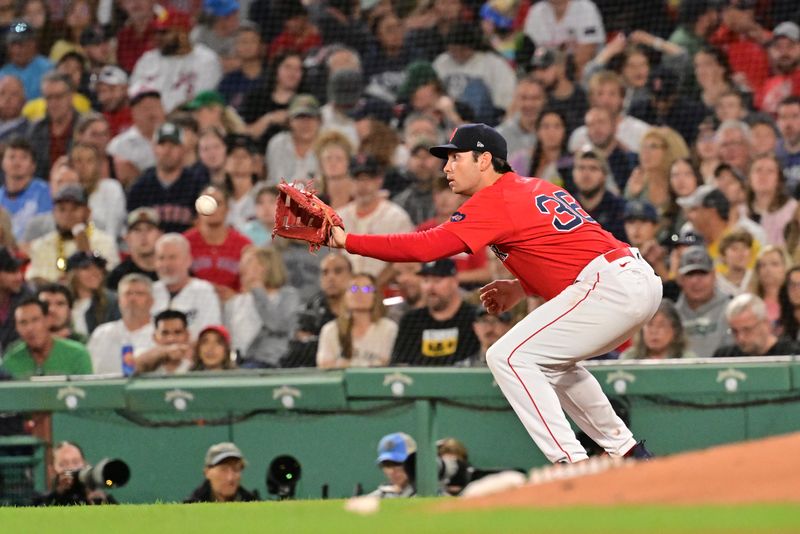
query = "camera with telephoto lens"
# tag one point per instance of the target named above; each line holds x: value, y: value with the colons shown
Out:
x: 108, y: 473
x: 283, y: 474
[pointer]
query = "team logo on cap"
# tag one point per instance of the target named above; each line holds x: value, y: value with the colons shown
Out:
x: 480, y: 145
x: 457, y: 217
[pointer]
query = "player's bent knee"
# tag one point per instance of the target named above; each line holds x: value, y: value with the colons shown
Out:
x: 496, y: 356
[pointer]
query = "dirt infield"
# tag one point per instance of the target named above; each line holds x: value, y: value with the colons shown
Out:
x: 762, y: 471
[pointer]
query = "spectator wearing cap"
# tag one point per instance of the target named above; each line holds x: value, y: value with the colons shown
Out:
x: 22, y: 195
x: 96, y: 41
x: 13, y: 290
x: 470, y: 74
x: 134, y: 328
x: 665, y: 106
x: 298, y: 34
x: 708, y: 211
x: 138, y: 34
x: 224, y: 464
x: 39, y: 351
x: 752, y: 331
x: 111, y: 88
x: 12, y: 99
x: 607, y: 90
x: 106, y: 197
x: 519, y: 126
x: 394, y: 452
x: 216, y: 247
x: 248, y: 50
x: 422, y: 169
x: 212, y: 351
x: 641, y: 224
x: 241, y: 163
x: 59, y: 300
x: 74, y: 231
x: 51, y: 136
x: 784, y: 55
x: 93, y: 303
x: 472, y: 268
x: 211, y: 111
x: 488, y: 329
x: 290, y: 155
x: 177, y: 68
x: 575, y: 25
x: 132, y: 150
x: 362, y: 336
x: 24, y: 59
x: 177, y: 289
x: 169, y: 187
x: 735, y: 255
x: 372, y: 213
x: 788, y: 150
x: 344, y: 93
x: 767, y: 198
x: 590, y: 174
x: 217, y: 27
x: 549, y: 66
x: 142, y: 233
x: 701, y: 305
x: 440, y: 333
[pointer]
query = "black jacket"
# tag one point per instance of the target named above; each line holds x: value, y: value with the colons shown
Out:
x: 203, y: 494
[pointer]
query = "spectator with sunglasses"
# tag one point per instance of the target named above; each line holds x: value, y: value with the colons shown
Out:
x: 362, y: 336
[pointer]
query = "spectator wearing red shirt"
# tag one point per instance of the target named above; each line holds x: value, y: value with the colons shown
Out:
x: 216, y: 247
x: 784, y: 54
x: 744, y: 41
x: 138, y: 34
x: 298, y: 34
x: 473, y: 269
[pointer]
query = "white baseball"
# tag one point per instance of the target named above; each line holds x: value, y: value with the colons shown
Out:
x: 205, y: 204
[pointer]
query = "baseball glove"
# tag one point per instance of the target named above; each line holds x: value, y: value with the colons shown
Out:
x: 300, y: 214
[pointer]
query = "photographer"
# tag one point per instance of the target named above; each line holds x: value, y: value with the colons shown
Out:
x: 394, y: 452
x: 67, y: 490
x: 223, y: 472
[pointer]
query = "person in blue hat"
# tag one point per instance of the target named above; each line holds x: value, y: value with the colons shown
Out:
x: 393, y: 453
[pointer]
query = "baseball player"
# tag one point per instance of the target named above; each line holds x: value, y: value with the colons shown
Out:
x: 598, y: 290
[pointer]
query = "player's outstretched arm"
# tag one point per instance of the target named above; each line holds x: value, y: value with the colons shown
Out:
x: 433, y: 244
x: 501, y: 295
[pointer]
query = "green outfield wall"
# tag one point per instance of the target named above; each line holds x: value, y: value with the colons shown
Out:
x: 331, y: 421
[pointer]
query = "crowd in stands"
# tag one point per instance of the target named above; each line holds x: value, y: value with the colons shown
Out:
x: 676, y: 125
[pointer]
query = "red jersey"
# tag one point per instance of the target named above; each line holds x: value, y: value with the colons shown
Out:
x: 776, y: 89
x: 538, y: 230
x: 218, y: 264
x: 463, y: 261
x: 744, y: 55
x: 120, y: 120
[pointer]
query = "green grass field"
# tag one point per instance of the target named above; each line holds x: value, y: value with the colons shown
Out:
x: 406, y: 517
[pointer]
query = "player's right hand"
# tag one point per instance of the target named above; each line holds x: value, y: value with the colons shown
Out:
x: 501, y: 295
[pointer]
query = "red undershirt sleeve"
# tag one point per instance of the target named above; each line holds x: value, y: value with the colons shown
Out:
x: 424, y: 246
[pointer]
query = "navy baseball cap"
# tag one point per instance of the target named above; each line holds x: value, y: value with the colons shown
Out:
x: 444, y: 267
x: 471, y: 137
x: 640, y: 210
x: 396, y: 448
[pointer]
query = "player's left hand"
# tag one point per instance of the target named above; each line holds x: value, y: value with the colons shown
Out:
x: 501, y: 295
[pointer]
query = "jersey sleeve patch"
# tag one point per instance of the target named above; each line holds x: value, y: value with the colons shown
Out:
x: 458, y: 217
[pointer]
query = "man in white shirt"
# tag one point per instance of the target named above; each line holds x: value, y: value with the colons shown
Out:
x: 106, y: 198
x: 573, y: 24
x: 132, y: 150
x: 134, y: 330
x: 463, y: 63
x: 607, y: 90
x: 177, y: 290
x: 290, y: 154
x: 176, y: 67
x: 371, y: 213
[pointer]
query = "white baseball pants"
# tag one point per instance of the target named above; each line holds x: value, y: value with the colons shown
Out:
x: 537, y: 363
